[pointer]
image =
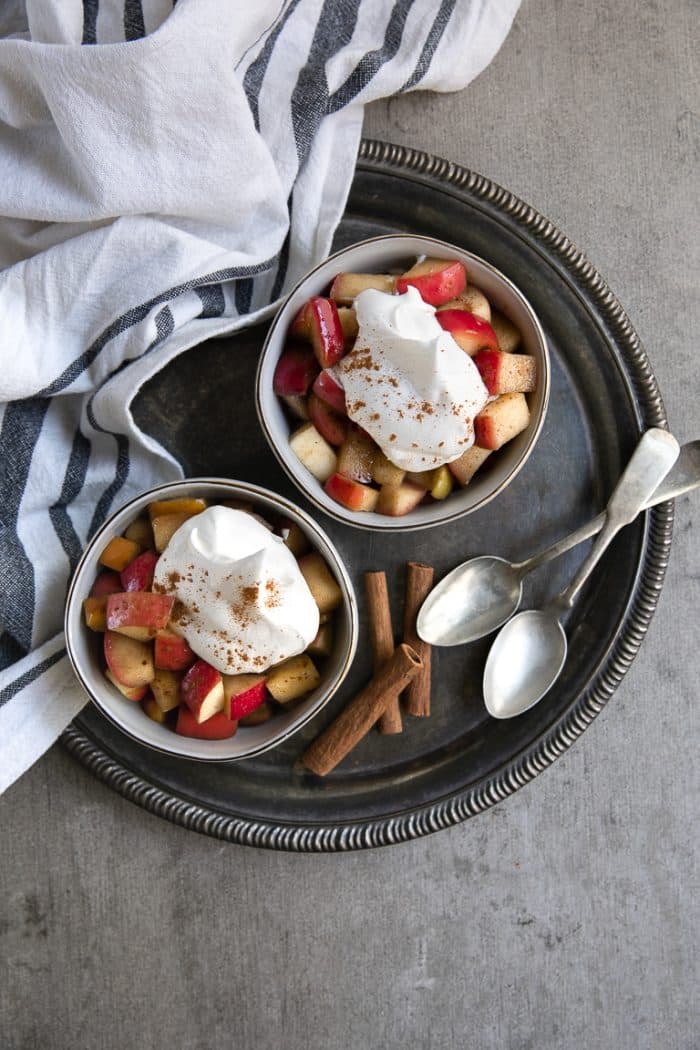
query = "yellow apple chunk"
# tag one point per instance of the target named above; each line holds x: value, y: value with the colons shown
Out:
x: 292, y: 679
x: 321, y: 582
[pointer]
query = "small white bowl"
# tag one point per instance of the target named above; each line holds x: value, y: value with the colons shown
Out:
x: 85, y: 651
x: 394, y: 254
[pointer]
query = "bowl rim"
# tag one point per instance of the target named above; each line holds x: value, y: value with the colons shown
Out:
x: 72, y: 620
x: 394, y: 524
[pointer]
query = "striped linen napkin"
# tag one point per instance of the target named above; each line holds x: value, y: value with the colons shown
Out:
x: 165, y: 174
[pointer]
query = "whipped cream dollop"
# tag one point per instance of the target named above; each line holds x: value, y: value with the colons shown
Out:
x: 408, y: 383
x: 241, y: 601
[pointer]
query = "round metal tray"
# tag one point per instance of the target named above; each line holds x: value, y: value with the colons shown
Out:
x: 458, y: 762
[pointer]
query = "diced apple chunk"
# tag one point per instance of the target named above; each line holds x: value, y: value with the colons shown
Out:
x: 442, y: 483
x: 140, y: 532
x: 185, y: 505
x: 243, y: 693
x: 313, y: 451
x: 166, y: 689
x: 138, y: 575
x: 118, y: 553
x: 322, y: 644
x: 470, y: 333
x: 329, y: 390
x: 437, y: 280
x: 471, y: 299
x: 154, y: 712
x: 506, y: 373
x: 106, y: 583
x: 318, y: 322
x: 356, y: 456
x: 131, y: 692
x: 507, y: 334
x: 351, y: 494
x: 95, y: 612
x: 464, y: 468
x: 292, y: 679
x: 501, y: 420
x: 347, y: 286
x: 330, y: 424
x: 294, y: 537
x: 130, y: 661
x: 321, y: 582
x: 138, y: 614
x: 172, y: 652
x: 217, y: 727
x: 164, y: 528
x: 348, y: 322
x: 261, y: 714
x: 295, y: 371
x: 384, y: 472
x: 397, y: 500
x: 202, y: 690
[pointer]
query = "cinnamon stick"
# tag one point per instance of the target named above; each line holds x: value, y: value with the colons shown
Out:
x: 356, y: 720
x: 419, y: 581
x: 381, y: 635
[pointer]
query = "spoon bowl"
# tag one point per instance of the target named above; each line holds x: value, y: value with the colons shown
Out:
x: 471, y: 601
x: 524, y: 662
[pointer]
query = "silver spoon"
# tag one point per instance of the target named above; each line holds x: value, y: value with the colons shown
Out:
x: 479, y: 595
x: 529, y: 652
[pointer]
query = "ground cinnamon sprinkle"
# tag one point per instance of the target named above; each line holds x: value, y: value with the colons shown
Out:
x: 250, y: 594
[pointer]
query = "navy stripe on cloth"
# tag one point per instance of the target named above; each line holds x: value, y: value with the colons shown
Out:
x: 135, y: 315
x: 212, y: 297
x: 90, y: 9
x: 30, y: 676
x: 255, y: 73
x: 370, y: 64
x: 21, y: 427
x: 10, y: 651
x: 243, y: 292
x: 134, y: 27
x: 431, y: 44
x: 73, y: 481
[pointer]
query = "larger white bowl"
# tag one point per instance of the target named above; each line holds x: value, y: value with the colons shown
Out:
x: 394, y: 254
x: 85, y: 652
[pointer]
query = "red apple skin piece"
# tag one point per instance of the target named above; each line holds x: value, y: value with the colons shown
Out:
x: 202, y: 690
x: 106, y: 583
x: 135, y: 692
x: 506, y: 373
x: 501, y: 421
x: 242, y: 694
x: 130, y: 661
x: 351, y: 494
x: 330, y: 391
x: 438, y: 287
x: 218, y: 727
x: 464, y: 468
x: 295, y: 371
x: 470, y: 332
x: 138, y: 614
x: 171, y: 652
x: 318, y: 321
x: 330, y: 425
x: 138, y: 575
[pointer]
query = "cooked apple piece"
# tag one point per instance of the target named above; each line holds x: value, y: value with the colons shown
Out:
x: 95, y: 612
x: 322, y: 644
x: 261, y: 714
x: 507, y: 334
x: 396, y: 500
x: 464, y: 468
x: 154, y: 712
x: 295, y: 371
x: 164, y: 528
x: 296, y: 403
x: 130, y: 661
x: 501, y: 421
x: 384, y: 472
x: 106, y: 583
x: 356, y: 456
x: 118, y: 553
x: 329, y: 390
x: 313, y: 451
x: 202, y: 690
x: 171, y: 652
x: 471, y: 299
x: 318, y: 322
x: 348, y: 322
x: 347, y: 286
x: 329, y: 423
x: 166, y: 689
x: 217, y: 727
x: 138, y: 575
x: 423, y: 478
x: 188, y: 506
x: 136, y: 692
x: 506, y: 373
x: 321, y: 582
x: 140, y: 532
x: 437, y: 280
x: 138, y: 614
x: 292, y: 679
x: 470, y: 333
x: 442, y: 483
x: 294, y: 537
x: 351, y: 494
x: 243, y: 693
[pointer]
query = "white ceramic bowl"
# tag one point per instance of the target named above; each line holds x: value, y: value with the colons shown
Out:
x: 394, y: 254
x: 85, y: 651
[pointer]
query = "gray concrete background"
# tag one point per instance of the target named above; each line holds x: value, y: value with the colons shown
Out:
x: 567, y: 916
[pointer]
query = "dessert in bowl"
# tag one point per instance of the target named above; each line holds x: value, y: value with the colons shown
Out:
x: 210, y: 619
x: 403, y: 383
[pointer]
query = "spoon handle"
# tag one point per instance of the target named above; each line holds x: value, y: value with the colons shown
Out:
x: 652, y: 459
x: 683, y: 477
